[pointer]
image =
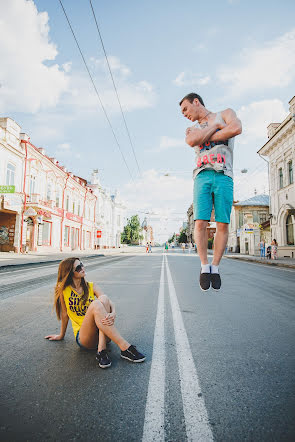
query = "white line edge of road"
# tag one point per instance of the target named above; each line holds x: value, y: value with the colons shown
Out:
x: 154, y: 429
x: 195, y: 412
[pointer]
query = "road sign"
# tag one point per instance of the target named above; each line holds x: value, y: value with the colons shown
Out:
x: 7, y: 189
x: 98, y: 234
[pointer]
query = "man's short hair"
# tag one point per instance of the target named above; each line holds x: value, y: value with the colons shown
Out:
x: 190, y: 97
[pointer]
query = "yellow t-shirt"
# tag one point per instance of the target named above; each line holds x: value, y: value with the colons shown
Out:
x: 76, y: 311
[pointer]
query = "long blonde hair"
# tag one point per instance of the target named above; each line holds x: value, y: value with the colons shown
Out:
x: 64, y: 279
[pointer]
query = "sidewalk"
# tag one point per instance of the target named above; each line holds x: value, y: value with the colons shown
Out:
x: 7, y: 258
x: 281, y: 262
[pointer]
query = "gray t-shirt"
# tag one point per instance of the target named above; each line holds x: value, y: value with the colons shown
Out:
x: 216, y: 155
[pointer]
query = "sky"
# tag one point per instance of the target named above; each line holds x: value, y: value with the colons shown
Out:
x: 234, y: 53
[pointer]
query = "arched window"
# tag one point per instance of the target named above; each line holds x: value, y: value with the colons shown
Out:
x: 290, y: 230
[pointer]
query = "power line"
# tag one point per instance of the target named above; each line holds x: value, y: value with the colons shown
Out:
x: 111, y: 74
x: 96, y: 91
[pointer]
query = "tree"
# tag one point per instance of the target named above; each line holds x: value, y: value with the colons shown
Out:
x: 182, y: 237
x: 172, y: 239
x: 132, y: 231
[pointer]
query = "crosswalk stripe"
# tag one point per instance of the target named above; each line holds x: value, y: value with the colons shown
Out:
x: 153, y: 429
x: 195, y: 413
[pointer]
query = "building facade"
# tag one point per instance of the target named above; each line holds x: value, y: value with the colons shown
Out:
x: 50, y: 208
x: 249, y: 225
x: 280, y: 152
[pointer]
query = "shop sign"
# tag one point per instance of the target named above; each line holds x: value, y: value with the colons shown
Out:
x: 74, y: 217
x: 44, y: 213
x: 7, y: 189
x: 30, y: 212
x: 98, y: 234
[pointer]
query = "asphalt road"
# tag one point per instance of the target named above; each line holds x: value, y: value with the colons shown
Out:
x: 220, y: 366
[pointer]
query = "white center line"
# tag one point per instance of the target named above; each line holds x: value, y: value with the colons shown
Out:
x: 153, y: 429
x: 195, y: 413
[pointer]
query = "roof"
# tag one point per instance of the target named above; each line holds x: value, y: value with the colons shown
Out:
x: 257, y: 200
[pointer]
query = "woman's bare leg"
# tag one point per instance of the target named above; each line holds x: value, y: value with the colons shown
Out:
x: 92, y: 321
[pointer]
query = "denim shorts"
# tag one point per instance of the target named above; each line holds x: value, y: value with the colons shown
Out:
x: 82, y: 346
x: 211, y: 187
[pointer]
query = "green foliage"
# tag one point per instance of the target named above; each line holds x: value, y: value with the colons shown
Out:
x: 210, y: 243
x: 172, y: 239
x: 132, y: 231
x: 182, y: 236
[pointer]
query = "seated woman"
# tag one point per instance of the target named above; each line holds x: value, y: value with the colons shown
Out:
x: 92, y: 319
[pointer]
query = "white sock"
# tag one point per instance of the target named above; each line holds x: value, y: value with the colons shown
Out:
x: 205, y: 268
x: 214, y: 269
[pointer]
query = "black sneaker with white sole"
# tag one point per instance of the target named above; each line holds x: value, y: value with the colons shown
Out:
x: 103, y: 359
x: 215, y: 281
x: 205, y: 281
x: 132, y: 354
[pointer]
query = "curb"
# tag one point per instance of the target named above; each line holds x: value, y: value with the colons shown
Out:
x: 278, y: 264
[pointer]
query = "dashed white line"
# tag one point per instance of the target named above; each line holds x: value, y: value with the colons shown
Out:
x: 153, y: 429
x: 195, y: 413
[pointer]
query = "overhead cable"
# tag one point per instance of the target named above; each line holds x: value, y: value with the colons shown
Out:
x: 115, y: 88
x: 96, y: 91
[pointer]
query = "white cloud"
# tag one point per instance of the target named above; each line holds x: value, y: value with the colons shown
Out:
x: 115, y: 63
x: 67, y: 66
x: 165, y: 199
x: 191, y: 79
x: 272, y: 65
x: 257, y: 116
x: 27, y: 83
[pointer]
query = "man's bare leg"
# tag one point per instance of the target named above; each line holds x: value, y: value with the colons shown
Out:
x: 201, y: 239
x: 220, y: 242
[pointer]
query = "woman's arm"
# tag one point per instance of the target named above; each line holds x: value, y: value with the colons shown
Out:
x: 64, y: 323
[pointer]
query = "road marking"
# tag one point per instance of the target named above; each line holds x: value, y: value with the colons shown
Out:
x: 153, y: 429
x: 195, y: 413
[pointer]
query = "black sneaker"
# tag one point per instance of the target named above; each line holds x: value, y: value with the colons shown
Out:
x: 132, y: 354
x: 205, y: 280
x: 103, y: 359
x: 215, y: 281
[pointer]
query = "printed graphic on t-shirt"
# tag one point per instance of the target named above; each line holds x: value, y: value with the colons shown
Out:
x: 213, y: 157
x: 76, y: 306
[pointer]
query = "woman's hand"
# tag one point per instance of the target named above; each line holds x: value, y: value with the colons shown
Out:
x: 54, y: 337
x: 109, y: 319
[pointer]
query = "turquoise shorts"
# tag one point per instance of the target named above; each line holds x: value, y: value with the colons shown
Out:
x: 213, y: 188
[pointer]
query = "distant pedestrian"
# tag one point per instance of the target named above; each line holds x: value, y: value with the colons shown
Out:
x: 91, y: 312
x: 150, y: 247
x: 262, y: 248
x: 212, y: 137
x: 268, y: 252
x: 274, y: 249
x: 183, y: 247
x: 147, y: 248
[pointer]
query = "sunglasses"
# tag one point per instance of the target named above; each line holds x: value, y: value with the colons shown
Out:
x: 79, y: 267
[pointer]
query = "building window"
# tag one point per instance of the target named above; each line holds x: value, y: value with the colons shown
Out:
x: 46, y: 233
x: 241, y: 219
x: 49, y: 191
x: 67, y: 236
x: 10, y: 174
x: 290, y: 230
x: 290, y: 172
x: 32, y: 184
x: 67, y: 203
x: 57, y: 197
x: 262, y: 217
x: 281, y: 184
x: 74, y: 206
x: 79, y: 208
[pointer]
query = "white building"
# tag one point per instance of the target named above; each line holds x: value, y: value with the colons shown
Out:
x: 50, y: 208
x: 246, y: 221
x: 109, y: 215
x: 11, y: 174
x: 280, y: 151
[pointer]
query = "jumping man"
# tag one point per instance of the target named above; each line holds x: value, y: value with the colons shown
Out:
x: 212, y: 137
